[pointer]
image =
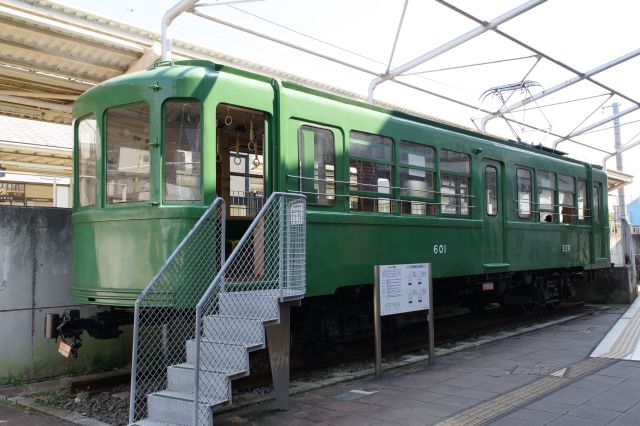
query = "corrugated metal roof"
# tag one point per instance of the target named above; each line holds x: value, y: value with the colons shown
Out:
x: 51, y: 53
x: 28, y: 146
x: 31, y: 132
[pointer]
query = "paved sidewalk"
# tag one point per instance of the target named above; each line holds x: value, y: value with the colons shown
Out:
x: 15, y: 415
x: 543, y: 377
x: 610, y: 396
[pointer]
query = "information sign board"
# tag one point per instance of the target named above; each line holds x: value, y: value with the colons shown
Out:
x: 398, y: 289
x: 404, y: 288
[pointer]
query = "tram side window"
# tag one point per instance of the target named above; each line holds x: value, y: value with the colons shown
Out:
x: 317, y: 164
x: 524, y: 193
x: 370, y: 171
x: 417, y: 178
x: 455, y: 168
x: 491, y: 190
x: 182, y: 148
x: 582, y: 200
x: 596, y: 203
x: 87, y: 137
x: 128, y: 154
x: 566, y: 196
x: 546, y: 195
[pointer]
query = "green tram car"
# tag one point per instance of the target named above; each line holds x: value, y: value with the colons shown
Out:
x: 499, y: 221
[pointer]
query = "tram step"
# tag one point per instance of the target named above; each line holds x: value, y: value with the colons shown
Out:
x: 240, y: 331
x: 220, y: 357
x: 250, y: 304
x: 177, y: 408
x: 214, y: 386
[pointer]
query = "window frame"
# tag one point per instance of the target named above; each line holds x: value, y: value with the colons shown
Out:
x: 496, y: 198
x: 553, y: 210
x: 163, y: 183
x: 573, y: 209
x: 97, y: 174
x: 469, y: 196
x: 392, y: 196
x: 430, y: 198
x: 596, y: 197
x: 303, y: 179
x: 152, y: 200
x: 586, y: 211
x: 530, y: 215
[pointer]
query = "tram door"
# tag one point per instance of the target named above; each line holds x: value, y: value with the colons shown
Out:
x: 494, y: 209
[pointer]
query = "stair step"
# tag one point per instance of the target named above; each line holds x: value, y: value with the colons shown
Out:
x: 250, y: 304
x: 214, y: 386
x: 176, y: 408
x: 231, y: 330
x: 220, y: 357
x: 147, y: 422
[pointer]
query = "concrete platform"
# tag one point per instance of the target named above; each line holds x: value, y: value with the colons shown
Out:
x: 543, y: 377
x: 623, y: 340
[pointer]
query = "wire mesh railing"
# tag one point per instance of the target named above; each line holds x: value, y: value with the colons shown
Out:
x: 266, y: 267
x: 165, y: 310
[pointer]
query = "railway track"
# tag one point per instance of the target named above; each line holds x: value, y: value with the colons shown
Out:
x: 448, y: 330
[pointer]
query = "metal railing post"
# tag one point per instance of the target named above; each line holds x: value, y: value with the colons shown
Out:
x: 169, y: 301
x: 281, y: 248
x: 250, y: 274
x: 134, y: 365
x: 196, y: 369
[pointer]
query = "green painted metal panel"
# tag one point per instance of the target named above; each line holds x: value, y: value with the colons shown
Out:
x: 118, y: 249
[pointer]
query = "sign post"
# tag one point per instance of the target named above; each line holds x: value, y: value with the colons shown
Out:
x: 400, y: 289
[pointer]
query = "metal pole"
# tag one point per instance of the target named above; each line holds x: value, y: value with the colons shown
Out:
x: 578, y: 78
x: 168, y: 17
x: 484, y: 27
x: 196, y: 368
x: 223, y: 240
x: 376, y: 320
x: 281, y: 248
x: 134, y: 364
x: 55, y: 192
x: 395, y: 41
x: 617, y: 146
x: 594, y: 125
x: 430, y: 317
x: 622, y: 149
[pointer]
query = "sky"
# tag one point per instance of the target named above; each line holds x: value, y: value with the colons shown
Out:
x: 581, y: 33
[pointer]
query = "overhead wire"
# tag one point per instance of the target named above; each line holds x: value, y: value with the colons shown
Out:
x: 352, y: 52
x: 498, y: 61
x: 567, y: 102
x: 310, y: 37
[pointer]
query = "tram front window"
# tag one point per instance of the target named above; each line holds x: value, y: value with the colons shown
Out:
x: 240, y: 159
x: 128, y: 154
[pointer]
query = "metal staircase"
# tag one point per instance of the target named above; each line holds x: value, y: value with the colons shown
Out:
x: 187, y: 349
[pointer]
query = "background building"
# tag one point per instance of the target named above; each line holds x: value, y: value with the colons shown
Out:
x: 36, y: 163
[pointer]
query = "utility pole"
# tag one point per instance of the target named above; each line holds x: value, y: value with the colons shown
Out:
x: 626, y: 241
x: 622, y: 208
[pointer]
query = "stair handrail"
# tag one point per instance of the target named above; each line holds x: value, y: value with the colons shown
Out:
x: 218, y: 281
x: 217, y: 204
